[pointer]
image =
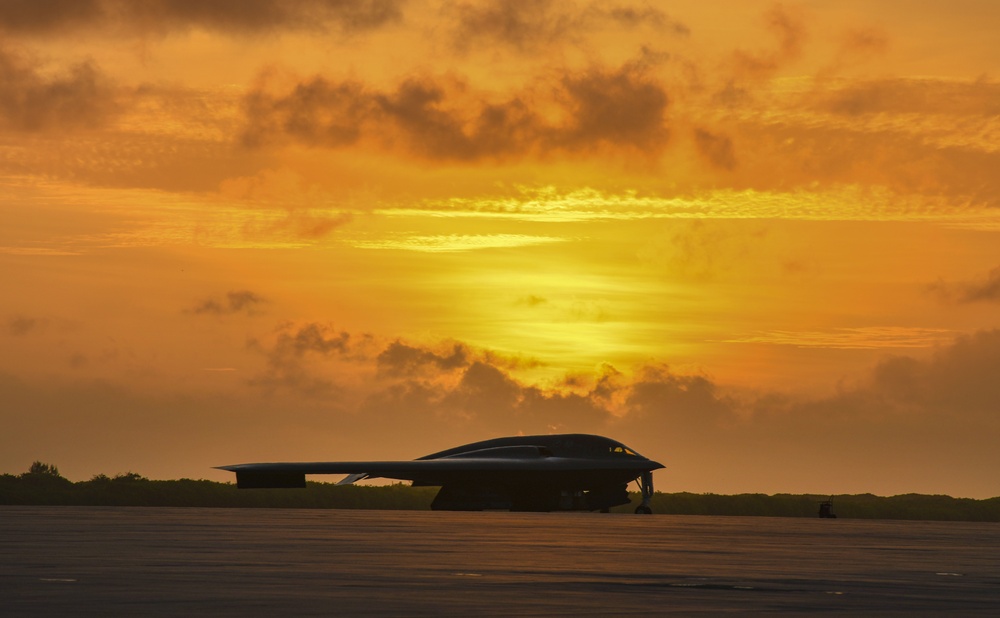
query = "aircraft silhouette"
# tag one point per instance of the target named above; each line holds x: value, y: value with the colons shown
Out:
x: 568, y: 472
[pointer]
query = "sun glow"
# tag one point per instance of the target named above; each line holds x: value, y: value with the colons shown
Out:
x: 714, y: 229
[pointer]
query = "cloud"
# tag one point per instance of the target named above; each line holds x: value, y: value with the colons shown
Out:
x: 616, y: 107
x: 633, y: 17
x: 619, y: 109
x: 287, y: 192
x: 910, y: 423
x: 400, y: 359
x: 80, y: 97
x: 528, y: 26
x: 717, y: 149
x: 20, y: 325
x: 902, y: 410
x: 301, y: 224
x: 310, y: 338
x: 984, y: 291
x: 856, y: 46
x: 228, y: 16
x: 956, y: 384
x: 297, y: 354
x: 478, y: 397
x: 862, y: 338
x: 789, y: 31
x: 521, y: 24
x: 532, y: 300
x: 924, y: 96
x: 924, y: 154
x: 236, y: 302
x: 987, y: 289
x: 863, y: 41
x: 456, y: 242
x: 659, y: 401
x: 41, y: 16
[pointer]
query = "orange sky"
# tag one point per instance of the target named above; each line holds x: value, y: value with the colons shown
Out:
x: 756, y: 241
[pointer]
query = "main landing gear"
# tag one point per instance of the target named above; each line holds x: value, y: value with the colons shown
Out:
x: 646, y: 488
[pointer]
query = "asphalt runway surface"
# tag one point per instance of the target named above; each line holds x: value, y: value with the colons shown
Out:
x: 109, y: 561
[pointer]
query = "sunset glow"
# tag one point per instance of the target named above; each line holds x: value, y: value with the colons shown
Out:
x: 757, y: 241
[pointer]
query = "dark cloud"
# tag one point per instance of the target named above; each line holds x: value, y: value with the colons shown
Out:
x: 418, y: 110
x: 986, y: 289
x: 485, y: 400
x: 716, y: 148
x: 20, y: 325
x: 619, y: 107
x: 415, y: 116
x: 236, y: 302
x: 522, y: 24
x: 532, y: 300
x: 486, y: 392
x: 229, y: 16
x: 292, y: 353
x: 528, y: 26
x: 983, y: 291
x: 957, y: 384
x: 789, y: 31
x: 317, y: 112
x: 909, y: 404
x: 633, y: 17
x: 42, y: 16
x: 438, y: 119
x: 311, y: 338
x: 685, y: 402
x: 400, y: 359
x: 80, y: 97
x: 911, y: 424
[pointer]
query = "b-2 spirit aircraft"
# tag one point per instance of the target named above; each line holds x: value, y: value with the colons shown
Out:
x: 569, y: 472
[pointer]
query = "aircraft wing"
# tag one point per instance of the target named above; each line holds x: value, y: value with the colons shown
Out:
x: 510, y: 463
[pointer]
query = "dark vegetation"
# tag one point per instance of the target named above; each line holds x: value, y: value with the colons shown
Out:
x: 859, y: 506
x: 43, y: 485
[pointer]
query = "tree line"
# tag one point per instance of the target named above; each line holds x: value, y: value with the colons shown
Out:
x: 42, y: 484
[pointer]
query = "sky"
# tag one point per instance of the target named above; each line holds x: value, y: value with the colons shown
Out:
x: 758, y: 242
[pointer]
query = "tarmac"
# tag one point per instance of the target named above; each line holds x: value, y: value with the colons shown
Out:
x: 134, y: 561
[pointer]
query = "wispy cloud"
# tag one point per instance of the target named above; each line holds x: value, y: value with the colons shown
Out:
x: 862, y: 338
x: 37, y: 251
x: 836, y: 203
x: 456, y: 242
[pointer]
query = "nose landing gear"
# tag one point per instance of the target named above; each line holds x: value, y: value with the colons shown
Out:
x: 646, y: 489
